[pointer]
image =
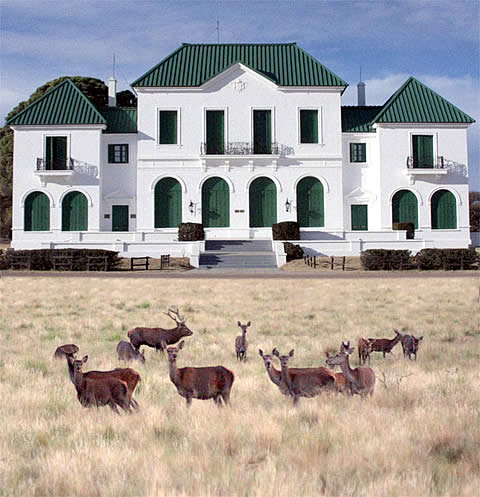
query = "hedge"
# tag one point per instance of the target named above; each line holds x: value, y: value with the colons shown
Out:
x: 408, y: 227
x: 293, y: 251
x: 286, y: 230
x: 434, y: 259
x: 382, y: 259
x: 190, y: 232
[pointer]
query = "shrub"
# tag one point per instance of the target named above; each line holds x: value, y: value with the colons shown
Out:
x: 431, y: 259
x: 381, y: 259
x: 293, y: 251
x: 408, y: 227
x: 42, y: 259
x: 286, y: 230
x: 190, y: 232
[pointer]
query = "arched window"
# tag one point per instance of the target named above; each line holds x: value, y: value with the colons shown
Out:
x: 405, y: 208
x: 168, y: 203
x: 75, y: 212
x: 310, y: 205
x: 37, y: 212
x: 215, y: 203
x: 444, y: 210
x: 263, y: 203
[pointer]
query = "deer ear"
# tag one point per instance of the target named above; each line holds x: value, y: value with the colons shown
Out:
x: 181, y: 344
x: 420, y: 338
x: 291, y: 353
x: 249, y: 323
x: 275, y: 352
x: 85, y: 359
x: 260, y: 351
x: 238, y: 323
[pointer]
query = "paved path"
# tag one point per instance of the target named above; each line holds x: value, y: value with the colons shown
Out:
x: 243, y: 274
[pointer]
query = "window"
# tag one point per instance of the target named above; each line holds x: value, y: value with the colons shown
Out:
x: 167, y: 126
x: 359, y: 217
x: 422, y: 150
x: 358, y: 152
x: 308, y: 126
x: 56, y: 153
x: 215, y: 120
x: 118, y: 154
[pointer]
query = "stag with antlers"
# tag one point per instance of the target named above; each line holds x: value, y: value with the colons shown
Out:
x: 154, y: 337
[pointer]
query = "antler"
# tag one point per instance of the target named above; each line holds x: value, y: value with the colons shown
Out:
x: 180, y: 319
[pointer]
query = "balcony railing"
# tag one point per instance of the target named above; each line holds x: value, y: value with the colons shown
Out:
x: 44, y: 165
x: 240, y: 148
x: 426, y: 163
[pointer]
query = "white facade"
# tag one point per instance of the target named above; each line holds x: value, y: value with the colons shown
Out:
x: 238, y: 91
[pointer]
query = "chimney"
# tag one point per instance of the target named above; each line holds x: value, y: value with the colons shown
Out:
x: 112, y: 92
x: 361, y: 93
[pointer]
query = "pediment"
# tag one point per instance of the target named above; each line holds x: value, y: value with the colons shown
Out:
x: 360, y: 195
x: 118, y: 194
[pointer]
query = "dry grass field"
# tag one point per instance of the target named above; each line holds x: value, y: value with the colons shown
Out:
x: 418, y: 436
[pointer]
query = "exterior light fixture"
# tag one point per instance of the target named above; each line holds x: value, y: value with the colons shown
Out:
x: 191, y: 207
x: 288, y: 205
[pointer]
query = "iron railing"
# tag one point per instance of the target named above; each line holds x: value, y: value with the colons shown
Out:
x: 240, y: 148
x: 425, y: 163
x: 44, y: 165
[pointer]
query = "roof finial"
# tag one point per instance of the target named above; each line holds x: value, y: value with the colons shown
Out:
x: 218, y: 31
x: 360, y: 73
x: 113, y: 68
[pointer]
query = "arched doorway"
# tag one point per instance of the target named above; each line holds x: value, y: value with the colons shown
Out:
x: 37, y: 212
x: 310, y: 205
x: 75, y: 212
x: 405, y: 208
x: 168, y: 203
x: 215, y: 203
x: 263, y: 203
x: 444, y: 210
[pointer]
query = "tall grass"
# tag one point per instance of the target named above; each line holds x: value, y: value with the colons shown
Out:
x: 418, y: 436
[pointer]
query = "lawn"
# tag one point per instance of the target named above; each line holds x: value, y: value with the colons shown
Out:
x: 417, y: 436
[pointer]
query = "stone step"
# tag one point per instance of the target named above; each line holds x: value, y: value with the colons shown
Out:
x: 238, y: 245
x: 238, y: 261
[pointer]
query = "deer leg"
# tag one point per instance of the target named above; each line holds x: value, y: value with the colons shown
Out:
x: 134, y: 403
x: 189, y: 400
x: 114, y: 407
x: 226, y: 397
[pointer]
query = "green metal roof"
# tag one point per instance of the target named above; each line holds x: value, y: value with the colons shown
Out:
x: 357, y: 119
x: 120, y: 119
x: 414, y: 102
x: 63, y: 104
x: 286, y: 64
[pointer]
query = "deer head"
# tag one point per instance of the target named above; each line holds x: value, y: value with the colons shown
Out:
x: 283, y: 358
x: 267, y: 359
x: 140, y: 355
x: 244, y: 326
x: 173, y: 351
x: 345, y: 346
x: 180, y: 322
x: 338, y: 359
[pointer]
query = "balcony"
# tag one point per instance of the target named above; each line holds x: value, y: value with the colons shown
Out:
x: 240, y: 149
x: 63, y: 169
x: 425, y: 168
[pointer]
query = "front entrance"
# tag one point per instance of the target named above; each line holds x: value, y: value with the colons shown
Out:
x: 263, y: 203
x: 119, y: 217
x: 215, y: 203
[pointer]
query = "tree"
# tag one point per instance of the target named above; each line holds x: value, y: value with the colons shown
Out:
x: 474, y: 198
x: 94, y: 89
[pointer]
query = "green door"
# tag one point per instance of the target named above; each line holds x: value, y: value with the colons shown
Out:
x: 168, y: 203
x: 444, y: 210
x: 263, y: 203
x: 56, y: 153
x: 37, y: 212
x: 405, y: 208
x: 119, y: 217
x: 359, y: 217
x: 75, y: 212
x: 422, y: 151
x: 262, y: 132
x: 215, y: 203
x: 215, y: 132
x: 310, y: 211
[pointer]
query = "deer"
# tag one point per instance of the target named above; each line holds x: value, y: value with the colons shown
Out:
x: 410, y: 345
x: 307, y: 382
x: 341, y: 384
x: 153, y: 337
x: 214, y: 382
x: 127, y: 375
x: 127, y: 352
x: 241, y: 344
x: 69, y: 349
x: 360, y: 380
x: 98, y: 392
x: 385, y: 345
x: 364, y: 349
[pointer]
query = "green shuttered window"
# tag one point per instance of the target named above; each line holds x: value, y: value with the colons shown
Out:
x: 37, y: 212
x: 215, y: 203
x: 75, y: 212
x: 215, y: 132
x: 359, y: 217
x: 310, y: 207
x: 118, y: 154
x: 119, y: 217
x: 56, y: 153
x: 405, y: 208
x: 358, y: 152
x: 422, y: 149
x: 168, y: 123
x: 444, y: 210
x: 308, y: 126
x: 262, y: 132
x: 168, y: 203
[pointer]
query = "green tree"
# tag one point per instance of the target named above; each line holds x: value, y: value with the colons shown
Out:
x: 94, y: 89
x: 474, y: 198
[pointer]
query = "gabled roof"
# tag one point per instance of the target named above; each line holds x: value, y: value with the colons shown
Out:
x: 120, y: 119
x: 357, y: 119
x: 284, y: 63
x: 414, y: 102
x: 63, y: 104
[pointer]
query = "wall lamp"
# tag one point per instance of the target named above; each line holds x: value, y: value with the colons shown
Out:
x: 191, y: 207
x: 288, y: 206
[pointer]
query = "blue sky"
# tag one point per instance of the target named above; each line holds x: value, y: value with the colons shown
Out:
x: 436, y: 41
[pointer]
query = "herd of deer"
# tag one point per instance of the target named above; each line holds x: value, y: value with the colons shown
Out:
x: 115, y: 388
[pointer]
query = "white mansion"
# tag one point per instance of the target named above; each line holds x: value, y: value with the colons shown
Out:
x: 238, y: 137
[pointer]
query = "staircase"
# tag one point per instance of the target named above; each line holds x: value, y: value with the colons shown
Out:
x: 238, y: 254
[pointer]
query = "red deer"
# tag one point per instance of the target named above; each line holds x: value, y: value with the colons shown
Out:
x: 340, y: 382
x: 241, y: 344
x: 307, y: 382
x: 213, y: 382
x: 127, y: 375
x: 98, y: 392
x: 410, y: 345
x: 127, y: 352
x: 364, y: 349
x: 69, y: 349
x: 360, y: 380
x: 153, y: 337
x: 385, y: 345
